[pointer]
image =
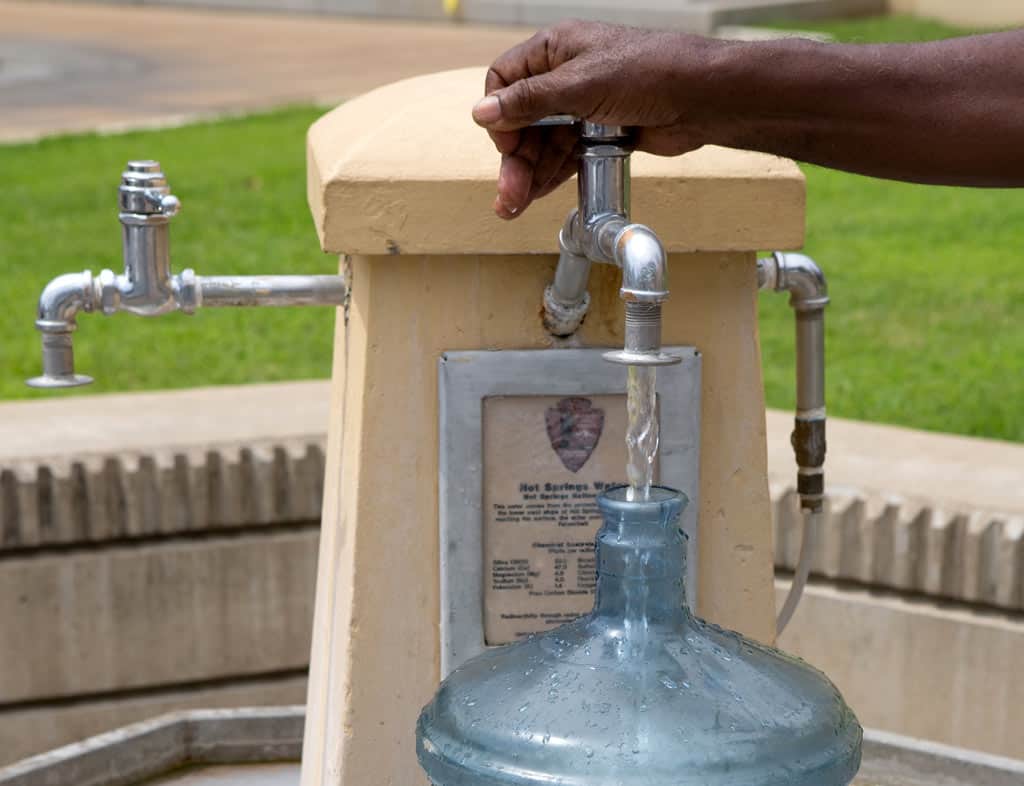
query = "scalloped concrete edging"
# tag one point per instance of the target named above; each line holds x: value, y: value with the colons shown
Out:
x: 885, y: 540
x: 908, y: 511
x: 90, y: 469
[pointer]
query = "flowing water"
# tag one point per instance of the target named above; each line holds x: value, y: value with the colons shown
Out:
x: 641, y: 431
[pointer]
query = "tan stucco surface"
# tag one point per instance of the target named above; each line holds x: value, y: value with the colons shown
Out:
x: 376, y: 649
x: 988, y: 13
x: 385, y: 191
x: 403, y: 169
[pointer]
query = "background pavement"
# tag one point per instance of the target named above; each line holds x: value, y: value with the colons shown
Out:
x: 82, y: 67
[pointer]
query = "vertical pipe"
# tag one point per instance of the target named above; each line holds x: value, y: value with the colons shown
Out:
x: 146, y: 245
x: 810, y: 368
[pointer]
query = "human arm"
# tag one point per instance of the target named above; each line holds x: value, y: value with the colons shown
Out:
x: 948, y: 112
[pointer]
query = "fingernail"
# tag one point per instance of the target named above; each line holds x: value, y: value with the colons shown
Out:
x: 487, y: 111
x: 503, y: 210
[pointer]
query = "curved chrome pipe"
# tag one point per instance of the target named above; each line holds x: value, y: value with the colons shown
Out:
x: 804, y: 280
x: 147, y: 287
x: 644, y: 265
x: 64, y: 298
x: 797, y: 274
x: 634, y: 248
x: 599, y: 231
x: 70, y: 294
x: 59, y: 304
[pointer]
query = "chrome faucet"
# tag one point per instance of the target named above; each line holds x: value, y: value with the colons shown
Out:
x: 147, y: 287
x: 599, y: 230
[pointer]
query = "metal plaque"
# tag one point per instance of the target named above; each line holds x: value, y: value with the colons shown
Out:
x: 527, y: 440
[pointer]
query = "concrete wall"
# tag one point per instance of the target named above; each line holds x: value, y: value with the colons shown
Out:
x: 97, y: 638
x: 911, y: 665
x: 144, y: 570
x: 153, y: 563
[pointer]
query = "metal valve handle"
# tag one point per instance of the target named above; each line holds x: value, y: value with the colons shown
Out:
x: 594, y: 132
x: 557, y: 120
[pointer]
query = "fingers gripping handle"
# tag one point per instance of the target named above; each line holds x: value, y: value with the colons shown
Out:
x: 593, y: 132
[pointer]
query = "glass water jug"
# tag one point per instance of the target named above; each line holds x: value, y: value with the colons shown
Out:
x: 639, y: 692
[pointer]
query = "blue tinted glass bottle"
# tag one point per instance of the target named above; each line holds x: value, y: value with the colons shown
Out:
x: 639, y: 692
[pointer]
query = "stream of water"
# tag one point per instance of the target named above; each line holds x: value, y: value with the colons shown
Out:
x: 641, y: 431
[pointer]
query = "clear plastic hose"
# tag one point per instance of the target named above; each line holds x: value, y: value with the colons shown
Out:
x: 803, y: 570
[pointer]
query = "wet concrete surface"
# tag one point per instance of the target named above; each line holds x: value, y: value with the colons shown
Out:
x: 81, y: 67
x: 251, y: 775
x: 288, y: 775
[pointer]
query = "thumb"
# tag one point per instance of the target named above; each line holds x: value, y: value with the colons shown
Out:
x: 528, y: 100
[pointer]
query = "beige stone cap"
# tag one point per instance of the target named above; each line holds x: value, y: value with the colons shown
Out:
x: 404, y: 169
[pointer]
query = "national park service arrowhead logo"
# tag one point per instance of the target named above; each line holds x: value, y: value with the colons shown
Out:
x: 574, y: 428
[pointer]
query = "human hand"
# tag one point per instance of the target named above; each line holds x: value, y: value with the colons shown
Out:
x: 651, y: 80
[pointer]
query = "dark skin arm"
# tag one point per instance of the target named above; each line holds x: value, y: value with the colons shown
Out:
x: 949, y: 112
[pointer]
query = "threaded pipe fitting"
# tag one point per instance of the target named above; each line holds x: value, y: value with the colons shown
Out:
x: 643, y: 338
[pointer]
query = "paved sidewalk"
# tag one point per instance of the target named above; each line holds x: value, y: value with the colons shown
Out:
x: 80, y: 67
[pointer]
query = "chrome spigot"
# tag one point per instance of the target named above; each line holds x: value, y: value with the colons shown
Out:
x: 148, y: 287
x: 599, y: 230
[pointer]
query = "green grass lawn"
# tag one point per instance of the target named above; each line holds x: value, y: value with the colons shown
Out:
x: 925, y: 282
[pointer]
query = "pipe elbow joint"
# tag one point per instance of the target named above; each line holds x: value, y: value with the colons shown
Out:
x: 644, y: 263
x: 803, y: 278
x: 62, y: 300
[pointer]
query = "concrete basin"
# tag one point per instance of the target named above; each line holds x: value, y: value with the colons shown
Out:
x: 262, y: 747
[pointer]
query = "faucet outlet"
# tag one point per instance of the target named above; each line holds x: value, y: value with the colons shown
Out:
x: 643, y: 338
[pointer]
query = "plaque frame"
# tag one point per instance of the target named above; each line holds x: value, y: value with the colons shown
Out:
x: 465, y: 379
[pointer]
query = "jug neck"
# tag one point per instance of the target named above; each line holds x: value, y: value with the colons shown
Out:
x: 641, y: 559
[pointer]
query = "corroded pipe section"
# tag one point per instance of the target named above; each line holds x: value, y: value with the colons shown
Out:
x: 566, y: 300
